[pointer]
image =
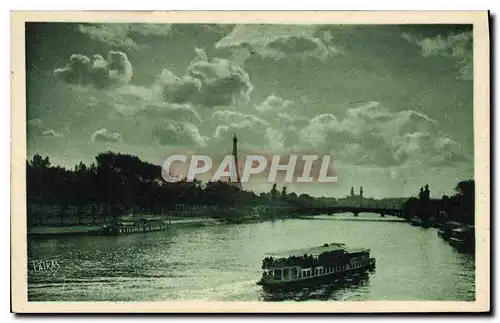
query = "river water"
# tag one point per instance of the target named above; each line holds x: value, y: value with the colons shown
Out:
x: 223, y: 262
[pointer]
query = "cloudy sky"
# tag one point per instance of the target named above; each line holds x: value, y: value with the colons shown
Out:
x: 392, y: 105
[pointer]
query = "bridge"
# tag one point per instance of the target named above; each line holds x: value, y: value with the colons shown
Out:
x: 330, y: 210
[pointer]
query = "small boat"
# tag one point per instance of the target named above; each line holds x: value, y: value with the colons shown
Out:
x: 446, y: 230
x: 463, y: 239
x: 312, y: 265
x: 416, y: 222
x: 133, y: 226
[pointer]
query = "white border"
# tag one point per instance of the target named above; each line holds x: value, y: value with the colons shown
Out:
x: 406, y: 306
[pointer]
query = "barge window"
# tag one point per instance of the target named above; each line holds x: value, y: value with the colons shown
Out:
x: 286, y: 274
x: 277, y: 274
x: 294, y: 273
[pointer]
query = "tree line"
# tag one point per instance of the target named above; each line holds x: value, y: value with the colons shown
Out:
x: 458, y: 207
x: 117, y: 184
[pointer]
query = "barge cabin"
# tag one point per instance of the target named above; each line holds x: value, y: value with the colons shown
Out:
x: 134, y: 226
x: 327, y: 262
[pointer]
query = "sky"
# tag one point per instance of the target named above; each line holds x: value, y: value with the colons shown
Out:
x: 392, y: 104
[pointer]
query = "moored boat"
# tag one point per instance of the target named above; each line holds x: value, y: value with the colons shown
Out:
x: 463, y: 239
x: 446, y: 230
x: 311, y: 265
x: 416, y: 222
x: 133, y: 226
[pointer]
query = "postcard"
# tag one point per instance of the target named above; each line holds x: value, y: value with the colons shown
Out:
x: 230, y: 162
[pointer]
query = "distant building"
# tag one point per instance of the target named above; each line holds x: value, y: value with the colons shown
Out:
x: 353, y: 195
x: 362, y: 201
x: 353, y: 199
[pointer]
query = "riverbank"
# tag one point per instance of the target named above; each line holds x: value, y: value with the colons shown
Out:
x: 48, y: 231
x: 227, y: 260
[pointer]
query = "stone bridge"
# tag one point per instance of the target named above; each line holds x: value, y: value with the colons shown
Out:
x: 330, y: 210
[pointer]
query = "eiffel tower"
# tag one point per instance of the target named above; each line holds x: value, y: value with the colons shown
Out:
x: 236, y: 169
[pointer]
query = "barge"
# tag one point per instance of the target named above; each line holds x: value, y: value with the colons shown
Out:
x: 445, y: 231
x: 463, y: 239
x: 133, y: 226
x: 313, y: 265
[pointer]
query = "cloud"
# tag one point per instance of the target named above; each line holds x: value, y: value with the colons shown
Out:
x: 116, y: 69
x: 424, y: 147
x: 284, y: 119
x: 103, y: 135
x: 134, y: 35
x: 457, y: 46
x: 372, y: 135
x: 207, y: 83
x: 217, y: 83
x: 178, y: 112
x: 274, y: 104
x: 178, y: 134
x: 251, y: 129
x: 130, y: 99
x: 235, y: 117
x: 316, y: 132
x: 273, y: 124
x: 278, y: 42
x: 51, y: 133
x: 124, y: 35
x: 36, y: 128
x: 409, y: 121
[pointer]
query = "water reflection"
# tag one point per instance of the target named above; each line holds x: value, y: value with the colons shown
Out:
x: 223, y: 263
x: 318, y: 291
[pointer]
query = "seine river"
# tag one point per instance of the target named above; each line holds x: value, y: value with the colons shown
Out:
x: 223, y: 262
